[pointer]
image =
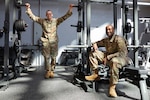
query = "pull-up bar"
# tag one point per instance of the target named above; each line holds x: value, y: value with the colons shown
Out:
x: 119, y: 2
x: 104, y: 1
x: 88, y: 16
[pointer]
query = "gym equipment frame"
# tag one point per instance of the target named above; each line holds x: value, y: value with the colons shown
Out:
x: 134, y: 73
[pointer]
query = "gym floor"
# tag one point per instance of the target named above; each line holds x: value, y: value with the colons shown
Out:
x: 32, y: 86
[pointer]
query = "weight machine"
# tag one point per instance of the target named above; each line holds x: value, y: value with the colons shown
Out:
x: 5, y: 69
x: 145, y: 53
x: 134, y: 73
x: 8, y: 67
x: 84, y: 43
x: 24, y: 53
x: 81, y: 67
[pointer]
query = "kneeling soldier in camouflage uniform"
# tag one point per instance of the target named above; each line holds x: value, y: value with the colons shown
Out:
x: 115, y: 56
x: 49, y: 36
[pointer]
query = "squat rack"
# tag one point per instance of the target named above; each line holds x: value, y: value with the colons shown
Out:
x: 135, y: 21
x: 139, y: 72
x: 84, y: 35
x: 9, y: 70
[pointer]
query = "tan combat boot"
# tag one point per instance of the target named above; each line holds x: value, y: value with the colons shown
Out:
x: 51, y: 74
x: 48, y: 74
x: 112, y: 91
x: 93, y: 77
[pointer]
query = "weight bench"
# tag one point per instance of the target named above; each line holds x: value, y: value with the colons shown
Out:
x: 138, y: 77
x: 135, y: 75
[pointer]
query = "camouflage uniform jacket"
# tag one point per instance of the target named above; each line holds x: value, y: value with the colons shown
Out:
x: 49, y: 28
x: 115, y: 47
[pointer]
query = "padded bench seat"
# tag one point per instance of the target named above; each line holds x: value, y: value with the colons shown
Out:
x: 135, y: 73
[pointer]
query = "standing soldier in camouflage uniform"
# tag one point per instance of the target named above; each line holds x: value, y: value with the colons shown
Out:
x: 115, y: 56
x: 49, y: 36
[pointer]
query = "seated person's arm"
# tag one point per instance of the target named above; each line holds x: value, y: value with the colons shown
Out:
x: 95, y: 47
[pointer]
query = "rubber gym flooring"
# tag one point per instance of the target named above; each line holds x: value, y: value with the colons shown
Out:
x: 32, y: 86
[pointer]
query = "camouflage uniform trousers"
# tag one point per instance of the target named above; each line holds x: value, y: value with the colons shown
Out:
x: 49, y: 51
x: 114, y: 64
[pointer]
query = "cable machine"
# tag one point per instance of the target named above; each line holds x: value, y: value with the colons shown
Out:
x: 8, y: 68
x: 134, y: 73
x: 6, y: 48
